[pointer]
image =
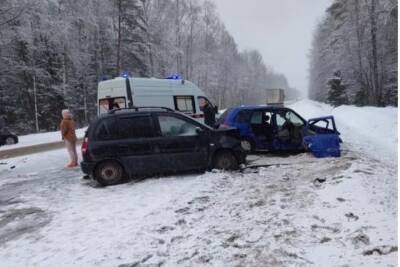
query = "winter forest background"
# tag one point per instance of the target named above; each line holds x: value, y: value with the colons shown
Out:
x: 354, y: 54
x: 54, y: 52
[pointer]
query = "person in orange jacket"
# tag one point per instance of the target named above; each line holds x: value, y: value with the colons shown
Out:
x: 67, y: 128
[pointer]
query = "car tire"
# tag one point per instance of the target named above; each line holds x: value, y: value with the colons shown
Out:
x: 225, y: 160
x: 9, y: 140
x: 109, y: 173
x: 247, y: 145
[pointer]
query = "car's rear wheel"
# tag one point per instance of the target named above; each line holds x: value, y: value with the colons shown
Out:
x: 10, y: 141
x: 109, y: 173
x: 247, y: 145
x: 225, y: 160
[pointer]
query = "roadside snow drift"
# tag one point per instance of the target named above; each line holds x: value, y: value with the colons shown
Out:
x: 40, y: 138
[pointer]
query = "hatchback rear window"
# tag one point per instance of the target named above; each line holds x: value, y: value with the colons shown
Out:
x: 243, y: 116
x: 223, y: 116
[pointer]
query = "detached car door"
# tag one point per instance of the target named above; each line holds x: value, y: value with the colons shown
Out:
x: 182, y: 144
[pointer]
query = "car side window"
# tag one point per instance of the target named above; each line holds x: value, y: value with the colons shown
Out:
x: 102, y: 132
x: 293, y: 118
x: 135, y: 127
x: 172, y: 126
x: 280, y: 120
x: 106, y: 130
x: 256, y: 118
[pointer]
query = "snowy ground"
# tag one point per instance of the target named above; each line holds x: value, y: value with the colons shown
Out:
x: 40, y: 138
x: 311, y: 212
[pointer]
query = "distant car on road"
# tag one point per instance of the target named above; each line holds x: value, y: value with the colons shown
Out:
x: 137, y: 142
x: 273, y: 128
x: 7, y: 138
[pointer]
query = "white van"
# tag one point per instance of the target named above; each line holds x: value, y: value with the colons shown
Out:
x: 176, y: 94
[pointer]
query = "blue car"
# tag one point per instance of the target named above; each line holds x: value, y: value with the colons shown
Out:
x: 278, y: 129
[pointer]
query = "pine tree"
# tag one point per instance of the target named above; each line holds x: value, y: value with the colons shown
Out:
x: 360, y: 38
x: 337, y: 91
x: 132, y: 38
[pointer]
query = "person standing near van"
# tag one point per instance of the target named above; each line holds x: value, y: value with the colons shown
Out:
x: 67, y: 128
x: 209, y: 112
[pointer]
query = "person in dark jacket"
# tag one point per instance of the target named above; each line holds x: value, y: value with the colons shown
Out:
x: 209, y: 112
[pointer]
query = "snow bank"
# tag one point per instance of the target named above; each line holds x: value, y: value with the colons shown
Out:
x: 40, y: 138
x: 371, y: 130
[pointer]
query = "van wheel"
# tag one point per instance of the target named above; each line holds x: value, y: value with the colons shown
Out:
x: 109, y: 173
x: 10, y: 141
x: 247, y: 145
x: 226, y: 161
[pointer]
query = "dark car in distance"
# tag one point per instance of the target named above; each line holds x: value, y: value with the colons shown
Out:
x: 7, y: 137
x: 141, y: 142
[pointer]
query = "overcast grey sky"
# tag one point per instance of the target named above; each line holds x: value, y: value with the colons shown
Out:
x: 280, y: 29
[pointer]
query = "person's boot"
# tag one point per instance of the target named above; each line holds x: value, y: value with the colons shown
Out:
x: 70, y: 165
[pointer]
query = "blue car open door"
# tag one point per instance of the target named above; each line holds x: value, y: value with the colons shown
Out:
x: 322, y: 137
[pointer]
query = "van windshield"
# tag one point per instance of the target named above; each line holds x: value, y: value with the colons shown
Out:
x: 111, y: 103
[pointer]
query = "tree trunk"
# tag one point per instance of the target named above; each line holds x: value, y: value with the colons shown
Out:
x: 119, y: 39
x: 377, y: 91
x: 36, y: 104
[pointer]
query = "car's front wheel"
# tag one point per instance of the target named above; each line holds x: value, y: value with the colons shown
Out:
x: 225, y: 160
x: 10, y: 141
x: 109, y: 173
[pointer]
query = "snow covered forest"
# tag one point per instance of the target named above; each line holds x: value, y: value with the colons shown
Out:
x: 354, y: 54
x: 54, y: 52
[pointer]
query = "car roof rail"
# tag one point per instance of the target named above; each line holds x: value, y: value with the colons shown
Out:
x: 139, y: 108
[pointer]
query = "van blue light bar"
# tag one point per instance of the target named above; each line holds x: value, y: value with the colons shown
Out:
x: 125, y: 74
x: 174, y: 77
